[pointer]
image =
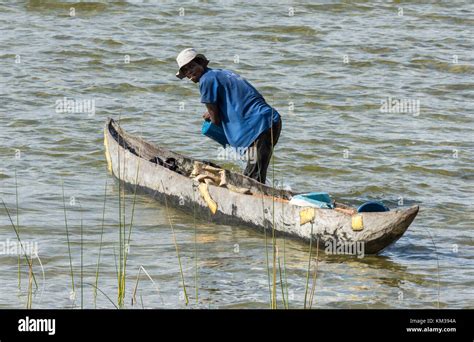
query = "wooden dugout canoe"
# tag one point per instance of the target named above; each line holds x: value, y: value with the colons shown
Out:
x: 128, y: 158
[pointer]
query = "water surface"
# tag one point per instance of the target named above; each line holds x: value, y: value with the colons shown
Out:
x: 325, y: 67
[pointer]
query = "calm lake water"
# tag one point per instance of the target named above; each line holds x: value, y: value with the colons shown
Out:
x: 329, y: 69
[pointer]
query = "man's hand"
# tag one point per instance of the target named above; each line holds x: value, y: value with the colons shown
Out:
x: 212, y: 114
x: 206, y: 116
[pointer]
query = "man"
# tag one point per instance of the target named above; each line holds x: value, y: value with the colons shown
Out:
x: 235, y: 105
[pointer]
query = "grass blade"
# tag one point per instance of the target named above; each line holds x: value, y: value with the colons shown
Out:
x: 18, y: 227
x: 68, y: 242
x: 309, y: 265
x: 100, y: 245
x: 110, y: 300
x: 176, y: 246
x: 19, y: 241
x: 314, y: 277
x: 82, y: 264
x: 195, y: 247
x: 134, y: 300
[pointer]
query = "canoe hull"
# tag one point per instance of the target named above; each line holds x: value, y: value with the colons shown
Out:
x: 324, y: 226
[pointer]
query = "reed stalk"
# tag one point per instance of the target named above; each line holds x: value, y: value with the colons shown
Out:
x: 309, y: 266
x: 115, y: 262
x: 100, y: 245
x: 274, y: 290
x: 42, y: 271
x: 281, y: 282
x: 121, y: 294
x: 175, y: 245
x: 82, y: 263
x: 21, y: 243
x: 266, y: 250
x: 29, y: 299
x: 284, y: 266
x: 18, y: 227
x: 267, y: 258
x: 68, y: 242
x: 110, y: 300
x: 195, y: 247
x: 127, y: 245
x: 136, y: 287
x: 31, y: 275
x: 313, y: 288
x: 134, y: 299
x: 120, y: 285
x: 437, y: 262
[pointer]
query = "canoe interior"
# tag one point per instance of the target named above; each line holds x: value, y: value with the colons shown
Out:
x: 147, y: 151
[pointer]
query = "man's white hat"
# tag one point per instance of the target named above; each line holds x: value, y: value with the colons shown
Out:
x: 186, y: 56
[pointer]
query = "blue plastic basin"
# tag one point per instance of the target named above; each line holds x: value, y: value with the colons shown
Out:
x: 372, y: 206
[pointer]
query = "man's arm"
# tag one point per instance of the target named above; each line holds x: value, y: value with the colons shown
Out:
x: 212, y: 113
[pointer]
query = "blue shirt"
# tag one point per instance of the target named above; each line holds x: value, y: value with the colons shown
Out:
x: 243, y: 111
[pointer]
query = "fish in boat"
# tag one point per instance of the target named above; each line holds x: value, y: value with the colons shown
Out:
x: 227, y: 197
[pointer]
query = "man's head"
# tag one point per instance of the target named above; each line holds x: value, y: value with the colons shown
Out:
x: 191, y: 64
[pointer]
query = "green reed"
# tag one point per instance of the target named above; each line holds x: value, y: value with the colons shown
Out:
x: 313, y: 288
x: 29, y: 298
x: 266, y: 248
x: 20, y: 242
x: 31, y: 275
x: 175, y: 245
x: 105, y: 295
x: 195, y: 247
x: 82, y: 264
x: 68, y: 242
x: 132, y: 215
x: 100, y: 245
x: 134, y: 293
x: 284, y: 265
x: 309, y: 265
x: 285, y: 305
x: 121, y: 213
x: 274, y: 290
x: 276, y: 257
x: 18, y: 227
x: 267, y: 264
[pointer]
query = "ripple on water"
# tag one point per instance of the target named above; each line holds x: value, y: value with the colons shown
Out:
x: 425, y: 63
x: 39, y: 5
